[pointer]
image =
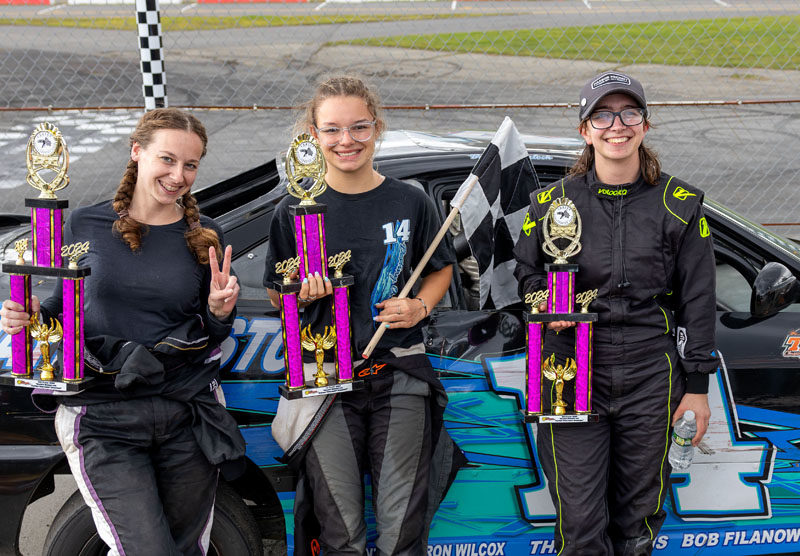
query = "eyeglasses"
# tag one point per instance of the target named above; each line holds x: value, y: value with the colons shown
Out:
x: 604, y: 119
x: 330, y: 136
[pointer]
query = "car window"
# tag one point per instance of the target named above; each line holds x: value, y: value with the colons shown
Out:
x: 733, y: 289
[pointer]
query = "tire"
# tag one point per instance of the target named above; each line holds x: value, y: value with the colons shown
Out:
x: 234, y: 533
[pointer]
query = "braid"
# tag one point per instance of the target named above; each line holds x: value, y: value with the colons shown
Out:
x: 130, y: 229
x: 198, y: 239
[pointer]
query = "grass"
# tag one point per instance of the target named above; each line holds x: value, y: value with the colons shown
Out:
x: 753, y: 42
x: 199, y: 23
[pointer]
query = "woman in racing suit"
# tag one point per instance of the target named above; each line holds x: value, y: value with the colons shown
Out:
x: 646, y: 247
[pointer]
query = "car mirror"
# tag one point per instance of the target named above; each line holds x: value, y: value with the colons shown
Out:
x: 774, y: 288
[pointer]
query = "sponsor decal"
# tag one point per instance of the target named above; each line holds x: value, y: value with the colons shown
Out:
x: 528, y: 225
x: 611, y: 78
x: 791, y: 344
x: 371, y: 371
x: 612, y: 192
x: 681, y: 340
x: 545, y: 196
x: 681, y: 194
x: 740, y: 537
x: 704, y: 229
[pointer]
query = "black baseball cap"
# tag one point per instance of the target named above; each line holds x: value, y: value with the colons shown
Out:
x: 608, y: 83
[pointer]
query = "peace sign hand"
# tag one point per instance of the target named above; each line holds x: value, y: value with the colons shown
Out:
x: 224, y: 290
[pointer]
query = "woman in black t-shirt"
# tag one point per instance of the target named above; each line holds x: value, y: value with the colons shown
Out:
x: 134, y: 439
x: 388, y: 428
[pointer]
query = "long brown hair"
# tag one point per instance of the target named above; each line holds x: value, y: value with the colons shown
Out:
x: 198, y: 239
x: 341, y: 86
x: 649, y: 164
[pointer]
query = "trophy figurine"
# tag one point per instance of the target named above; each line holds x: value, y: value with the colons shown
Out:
x: 559, y: 374
x: 562, y: 232
x: 318, y: 343
x: 47, y: 163
x: 46, y: 335
x: 305, y: 173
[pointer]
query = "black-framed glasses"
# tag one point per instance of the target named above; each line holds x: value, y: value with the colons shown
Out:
x: 330, y: 136
x: 604, y: 119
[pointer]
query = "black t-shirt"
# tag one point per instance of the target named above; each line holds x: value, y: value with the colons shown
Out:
x: 142, y: 295
x: 387, y: 229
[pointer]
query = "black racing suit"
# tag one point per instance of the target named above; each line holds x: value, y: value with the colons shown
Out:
x: 648, y: 251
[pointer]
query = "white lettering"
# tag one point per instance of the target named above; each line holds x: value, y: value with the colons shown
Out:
x: 661, y: 542
x: 688, y: 540
x: 440, y: 550
x: 780, y: 535
x: 729, y: 536
x: 793, y: 535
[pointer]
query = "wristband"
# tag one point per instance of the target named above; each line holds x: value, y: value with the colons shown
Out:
x: 424, y: 305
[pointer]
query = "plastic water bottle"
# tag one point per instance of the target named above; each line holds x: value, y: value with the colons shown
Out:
x: 681, y: 451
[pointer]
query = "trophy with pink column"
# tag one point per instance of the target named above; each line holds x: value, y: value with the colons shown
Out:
x: 562, y: 232
x: 305, y: 172
x: 48, y: 162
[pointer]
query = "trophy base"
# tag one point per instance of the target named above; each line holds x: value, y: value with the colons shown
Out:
x: 310, y: 390
x: 34, y: 381
x: 553, y: 317
x: 558, y: 419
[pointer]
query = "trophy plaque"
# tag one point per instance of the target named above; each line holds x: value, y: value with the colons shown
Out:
x: 562, y: 232
x: 305, y: 172
x: 48, y: 163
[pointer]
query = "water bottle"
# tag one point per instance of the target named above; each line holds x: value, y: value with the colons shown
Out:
x: 681, y: 450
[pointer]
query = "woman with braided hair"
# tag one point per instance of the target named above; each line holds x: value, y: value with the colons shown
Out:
x: 146, y: 438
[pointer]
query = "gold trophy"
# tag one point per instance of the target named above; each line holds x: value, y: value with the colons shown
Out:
x: 559, y: 374
x: 47, y: 153
x: 562, y: 221
x: 561, y: 234
x: 337, y: 262
x: 47, y: 161
x: 318, y: 343
x: 73, y: 252
x: 20, y: 246
x: 304, y: 160
x: 46, y: 334
x: 305, y: 173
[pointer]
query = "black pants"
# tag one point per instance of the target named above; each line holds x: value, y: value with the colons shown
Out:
x: 608, y: 480
x: 384, y: 429
x: 140, y: 470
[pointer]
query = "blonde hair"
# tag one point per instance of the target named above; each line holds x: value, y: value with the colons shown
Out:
x: 340, y: 86
x: 198, y: 239
x: 649, y: 165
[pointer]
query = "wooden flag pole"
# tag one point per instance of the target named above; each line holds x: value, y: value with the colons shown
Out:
x: 470, y: 183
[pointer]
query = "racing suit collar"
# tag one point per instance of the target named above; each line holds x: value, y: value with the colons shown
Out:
x: 606, y: 191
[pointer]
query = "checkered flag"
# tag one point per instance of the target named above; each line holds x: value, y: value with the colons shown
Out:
x: 154, y: 77
x: 492, y: 214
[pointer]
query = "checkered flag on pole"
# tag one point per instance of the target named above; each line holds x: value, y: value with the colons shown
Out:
x: 492, y: 219
x: 154, y: 77
x: 492, y: 214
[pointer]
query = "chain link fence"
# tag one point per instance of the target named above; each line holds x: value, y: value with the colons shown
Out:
x: 722, y: 77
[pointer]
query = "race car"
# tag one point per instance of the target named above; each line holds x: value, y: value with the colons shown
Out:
x: 740, y: 496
